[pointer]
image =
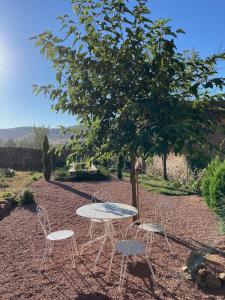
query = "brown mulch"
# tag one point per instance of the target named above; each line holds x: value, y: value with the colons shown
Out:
x: 192, y: 227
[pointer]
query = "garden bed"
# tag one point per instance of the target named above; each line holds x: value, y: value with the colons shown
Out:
x: 12, y: 186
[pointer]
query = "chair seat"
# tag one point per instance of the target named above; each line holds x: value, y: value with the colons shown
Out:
x: 129, y: 247
x: 152, y: 227
x: 60, y: 235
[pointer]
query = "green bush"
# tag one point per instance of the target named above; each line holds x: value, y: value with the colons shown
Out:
x: 7, y: 173
x: 61, y: 175
x: 84, y: 175
x: 26, y: 197
x: 6, y: 195
x: 207, y: 180
x: 35, y: 177
x: 195, y: 185
x: 3, y: 184
x: 217, y: 188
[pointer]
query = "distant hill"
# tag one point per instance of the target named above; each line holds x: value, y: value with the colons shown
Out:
x: 25, y: 132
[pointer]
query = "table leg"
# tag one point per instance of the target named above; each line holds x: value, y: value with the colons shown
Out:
x: 108, y: 234
x: 90, y: 242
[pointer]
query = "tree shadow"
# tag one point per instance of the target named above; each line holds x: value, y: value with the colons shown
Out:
x: 30, y: 207
x: 72, y: 190
x: 92, y: 296
x: 6, y: 212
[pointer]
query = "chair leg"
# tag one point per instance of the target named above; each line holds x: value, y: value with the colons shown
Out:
x: 150, y: 267
x: 91, y: 230
x: 122, y: 272
x: 168, y: 242
x: 108, y: 234
x: 100, y: 251
x: 51, y: 247
x: 111, y: 260
x: 74, y: 242
x: 71, y: 252
x: 44, y: 254
x: 134, y: 260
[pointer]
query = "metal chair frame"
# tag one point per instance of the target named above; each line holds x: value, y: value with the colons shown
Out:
x: 159, y: 223
x: 49, y: 236
x: 131, y: 248
x: 98, y: 196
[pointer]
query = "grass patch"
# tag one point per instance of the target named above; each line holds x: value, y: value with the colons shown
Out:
x: 161, y: 186
x: 15, y: 184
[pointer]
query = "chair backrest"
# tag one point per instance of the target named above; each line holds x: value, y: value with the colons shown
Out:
x: 43, y: 219
x: 101, y: 196
x: 162, y: 211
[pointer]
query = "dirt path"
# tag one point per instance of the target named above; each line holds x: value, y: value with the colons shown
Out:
x: 191, y: 227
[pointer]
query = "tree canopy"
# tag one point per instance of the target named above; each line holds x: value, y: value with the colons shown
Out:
x: 119, y: 72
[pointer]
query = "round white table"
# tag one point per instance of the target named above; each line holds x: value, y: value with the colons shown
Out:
x: 107, y: 212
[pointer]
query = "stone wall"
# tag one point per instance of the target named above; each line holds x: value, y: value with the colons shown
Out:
x: 21, y: 159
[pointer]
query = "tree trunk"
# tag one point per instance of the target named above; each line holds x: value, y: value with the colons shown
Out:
x: 133, y: 183
x: 164, y: 158
x: 143, y: 163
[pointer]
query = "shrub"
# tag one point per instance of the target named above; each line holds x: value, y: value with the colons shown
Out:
x: 3, y: 184
x: 217, y: 189
x: 35, y: 177
x: 26, y: 197
x: 6, y: 195
x: 195, y: 185
x: 46, y: 159
x: 7, y: 173
x: 101, y: 174
x: 207, y: 179
x: 61, y: 175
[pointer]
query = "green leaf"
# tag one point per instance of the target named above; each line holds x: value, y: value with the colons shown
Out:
x: 59, y: 76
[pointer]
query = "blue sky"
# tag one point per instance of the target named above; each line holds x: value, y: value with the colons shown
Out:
x: 21, y: 65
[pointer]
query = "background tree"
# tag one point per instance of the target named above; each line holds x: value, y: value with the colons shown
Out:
x: 25, y: 143
x: 46, y: 159
x: 122, y: 77
x: 10, y: 143
x: 38, y: 136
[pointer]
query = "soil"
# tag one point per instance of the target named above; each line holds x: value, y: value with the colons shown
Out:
x: 191, y: 227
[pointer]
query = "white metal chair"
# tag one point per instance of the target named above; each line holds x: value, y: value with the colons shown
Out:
x: 130, y: 248
x: 158, y: 223
x: 55, y: 236
x: 98, y: 196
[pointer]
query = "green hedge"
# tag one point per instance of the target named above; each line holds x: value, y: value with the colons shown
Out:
x: 207, y: 180
x: 217, y: 188
x: 213, y: 189
x: 84, y: 175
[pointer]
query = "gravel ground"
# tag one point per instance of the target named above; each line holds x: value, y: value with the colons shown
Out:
x: 191, y: 227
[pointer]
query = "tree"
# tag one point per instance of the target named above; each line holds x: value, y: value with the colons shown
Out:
x: 10, y: 143
x: 46, y: 159
x: 38, y: 136
x: 123, y: 79
x: 189, y: 110
x: 25, y: 143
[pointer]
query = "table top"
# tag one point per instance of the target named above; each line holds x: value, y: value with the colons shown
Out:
x: 107, y: 211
